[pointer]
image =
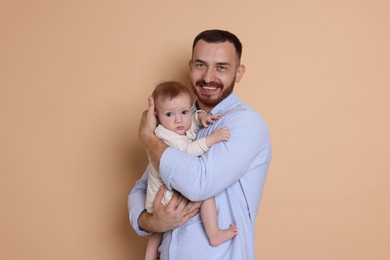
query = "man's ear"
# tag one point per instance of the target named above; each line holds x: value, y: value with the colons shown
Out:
x: 240, y: 72
x: 190, y: 65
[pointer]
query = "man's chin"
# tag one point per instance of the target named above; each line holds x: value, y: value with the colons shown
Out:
x: 210, y: 102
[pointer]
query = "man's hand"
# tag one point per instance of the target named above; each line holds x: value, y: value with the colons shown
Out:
x: 148, y: 122
x: 153, y: 145
x: 178, y: 211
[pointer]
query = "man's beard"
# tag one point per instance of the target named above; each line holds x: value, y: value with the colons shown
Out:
x: 212, y: 102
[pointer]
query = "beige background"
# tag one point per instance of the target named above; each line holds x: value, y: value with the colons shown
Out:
x: 75, y: 76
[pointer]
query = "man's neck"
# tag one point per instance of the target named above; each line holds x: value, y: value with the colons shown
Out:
x: 200, y: 106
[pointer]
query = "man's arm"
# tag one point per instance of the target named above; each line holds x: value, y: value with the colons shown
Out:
x: 199, y: 178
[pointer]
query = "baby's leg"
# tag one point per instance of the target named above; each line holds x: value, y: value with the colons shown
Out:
x: 152, y: 247
x: 208, y: 213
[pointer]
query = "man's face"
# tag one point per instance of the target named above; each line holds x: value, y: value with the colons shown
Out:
x: 214, y: 69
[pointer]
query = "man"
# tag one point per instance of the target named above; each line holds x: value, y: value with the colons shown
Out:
x: 234, y: 171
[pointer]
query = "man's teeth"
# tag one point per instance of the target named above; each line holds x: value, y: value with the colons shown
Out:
x: 209, y: 88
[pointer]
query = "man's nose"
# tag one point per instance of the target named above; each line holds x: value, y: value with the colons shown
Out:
x: 209, y: 75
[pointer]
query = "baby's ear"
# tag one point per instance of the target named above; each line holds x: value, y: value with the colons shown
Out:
x: 155, y: 114
x: 192, y: 110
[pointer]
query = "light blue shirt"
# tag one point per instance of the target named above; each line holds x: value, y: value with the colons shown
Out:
x: 234, y: 172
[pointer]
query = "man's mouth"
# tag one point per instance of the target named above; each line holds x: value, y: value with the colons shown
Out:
x: 209, y: 88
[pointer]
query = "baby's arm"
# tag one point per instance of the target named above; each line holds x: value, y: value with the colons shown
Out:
x: 219, y: 135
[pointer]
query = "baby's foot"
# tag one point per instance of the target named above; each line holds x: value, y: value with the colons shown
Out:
x: 223, y: 235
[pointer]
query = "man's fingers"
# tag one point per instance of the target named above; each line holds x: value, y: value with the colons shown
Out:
x: 150, y: 104
x: 192, y: 211
x: 174, y: 200
x: 190, y: 215
x: 159, y: 196
x: 194, y: 205
x: 192, y: 208
x: 148, y: 122
x: 182, y: 203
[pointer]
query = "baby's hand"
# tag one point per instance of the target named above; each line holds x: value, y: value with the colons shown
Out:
x: 207, y: 119
x: 222, y: 134
x: 219, y: 135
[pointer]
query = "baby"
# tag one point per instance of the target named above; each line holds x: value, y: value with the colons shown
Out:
x: 178, y: 125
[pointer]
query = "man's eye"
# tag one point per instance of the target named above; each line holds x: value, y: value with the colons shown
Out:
x: 169, y: 114
x: 221, y: 68
x: 199, y: 65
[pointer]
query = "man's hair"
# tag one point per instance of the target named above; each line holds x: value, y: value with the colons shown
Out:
x: 170, y: 90
x: 215, y: 36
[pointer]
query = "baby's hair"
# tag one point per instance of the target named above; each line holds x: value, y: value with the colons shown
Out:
x: 169, y: 90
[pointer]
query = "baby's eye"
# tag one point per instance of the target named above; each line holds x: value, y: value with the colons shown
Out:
x: 169, y: 114
x: 185, y: 112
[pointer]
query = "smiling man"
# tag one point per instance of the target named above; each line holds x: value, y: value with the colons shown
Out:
x: 214, y: 69
x: 234, y: 172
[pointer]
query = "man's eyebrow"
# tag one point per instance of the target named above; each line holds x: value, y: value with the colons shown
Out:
x: 199, y: 60
x: 223, y: 64
x: 218, y: 63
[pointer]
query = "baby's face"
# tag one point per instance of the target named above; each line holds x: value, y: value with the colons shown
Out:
x: 175, y: 114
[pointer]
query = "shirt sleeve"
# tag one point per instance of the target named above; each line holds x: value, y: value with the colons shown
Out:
x: 136, y: 202
x: 199, y: 178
